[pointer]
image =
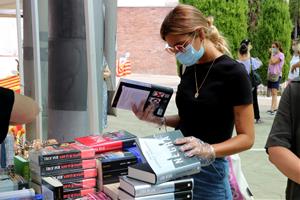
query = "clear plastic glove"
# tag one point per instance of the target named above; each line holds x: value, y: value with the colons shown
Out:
x: 147, y: 114
x: 195, y: 147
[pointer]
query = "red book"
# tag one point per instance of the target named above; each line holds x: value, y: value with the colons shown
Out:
x: 61, y: 153
x: 108, y: 141
x: 80, y: 184
x: 71, y: 194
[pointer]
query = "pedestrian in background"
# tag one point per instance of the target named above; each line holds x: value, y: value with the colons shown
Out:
x: 295, y: 61
x: 274, y: 75
x: 213, y: 95
x: 251, y: 64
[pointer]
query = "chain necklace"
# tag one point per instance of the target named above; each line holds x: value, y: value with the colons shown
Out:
x: 198, y: 88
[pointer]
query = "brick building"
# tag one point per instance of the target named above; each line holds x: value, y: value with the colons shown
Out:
x: 138, y: 33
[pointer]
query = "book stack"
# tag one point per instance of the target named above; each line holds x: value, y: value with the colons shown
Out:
x: 74, y: 165
x: 113, y: 164
x: 112, y: 153
x: 158, y: 177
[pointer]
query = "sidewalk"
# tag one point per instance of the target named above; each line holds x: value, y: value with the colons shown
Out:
x: 265, y: 181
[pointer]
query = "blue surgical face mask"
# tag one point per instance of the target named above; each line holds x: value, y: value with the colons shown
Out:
x: 190, y: 56
x: 274, y: 50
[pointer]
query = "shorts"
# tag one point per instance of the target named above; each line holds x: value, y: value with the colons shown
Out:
x: 274, y: 85
x: 212, y: 182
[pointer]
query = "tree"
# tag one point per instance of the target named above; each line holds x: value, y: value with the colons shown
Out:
x: 254, y: 11
x: 230, y: 17
x: 274, y: 24
x: 294, y: 6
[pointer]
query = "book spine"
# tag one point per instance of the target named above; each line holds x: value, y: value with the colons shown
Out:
x: 88, y: 173
x: 81, y: 184
x: 71, y: 194
x: 128, y: 143
x: 113, y: 145
x: 44, y: 159
x: 111, y: 165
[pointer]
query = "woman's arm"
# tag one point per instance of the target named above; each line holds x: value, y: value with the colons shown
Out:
x: 172, y: 120
x: 244, y: 124
x: 24, y: 110
x: 274, y: 60
x: 286, y: 161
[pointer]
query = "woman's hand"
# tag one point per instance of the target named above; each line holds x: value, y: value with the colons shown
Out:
x: 147, y: 114
x: 195, y: 147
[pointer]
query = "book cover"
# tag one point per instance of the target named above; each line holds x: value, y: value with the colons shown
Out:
x: 116, y: 160
x: 137, y: 153
x: 52, y: 188
x: 131, y: 92
x: 108, y: 141
x: 112, y: 190
x: 183, y: 195
x: 139, y: 188
x: 96, y: 196
x: 22, y: 167
x: 80, y: 184
x: 60, y: 168
x: 71, y: 194
x: 68, y: 177
x: 61, y: 153
x: 165, y: 160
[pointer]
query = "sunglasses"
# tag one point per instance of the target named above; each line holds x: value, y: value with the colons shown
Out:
x: 180, y: 47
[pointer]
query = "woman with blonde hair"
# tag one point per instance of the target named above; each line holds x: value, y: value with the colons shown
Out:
x: 213, y: 95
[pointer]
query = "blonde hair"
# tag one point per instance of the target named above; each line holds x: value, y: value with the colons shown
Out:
x: 186, y: 19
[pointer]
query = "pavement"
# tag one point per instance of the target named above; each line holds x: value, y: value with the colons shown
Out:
x: 265, y: 181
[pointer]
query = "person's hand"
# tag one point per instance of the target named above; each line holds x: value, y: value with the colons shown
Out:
x: 106, y: 73
x: 147, y: 114
x: 195, y: 147
x: 293, y: 68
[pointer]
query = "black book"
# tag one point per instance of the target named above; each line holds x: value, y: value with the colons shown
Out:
x: 134, y: 92
x: 165, y: 161
x: 138, y: 188
x: 183, y: 195
x: 116, y: 160
x: 52, y: 188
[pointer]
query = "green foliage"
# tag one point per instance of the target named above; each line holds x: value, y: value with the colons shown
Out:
x: 230, y: 18
x: 294, y: 7
x: 274, y: 24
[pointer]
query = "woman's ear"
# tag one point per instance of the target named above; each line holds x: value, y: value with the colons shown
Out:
x: 201, y: 33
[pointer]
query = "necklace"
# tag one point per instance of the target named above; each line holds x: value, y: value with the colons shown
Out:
x: 198, y: 88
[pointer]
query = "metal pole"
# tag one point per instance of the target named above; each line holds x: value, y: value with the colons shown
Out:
x: 20, y: 53
x: 37, y: 65
x: 94, y: 42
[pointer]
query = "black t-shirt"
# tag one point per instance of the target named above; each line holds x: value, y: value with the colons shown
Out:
x: 7, y: 99
x: 210, y: 117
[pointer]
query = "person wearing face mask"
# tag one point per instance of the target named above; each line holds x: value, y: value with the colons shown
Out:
x: 213, y: 96
x: 276, y: 62
x: 295, y: 61
x: 250, y: 64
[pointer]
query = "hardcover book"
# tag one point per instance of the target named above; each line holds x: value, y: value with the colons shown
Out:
x: 52, y: 188
x: 116, y: 160
x: 61, y: 153
x: 108, y: 141
x: 184, y: 195
x: 60, y: 168
x: 131, y: 92
x: 139, y: 188
x: 164, y: 159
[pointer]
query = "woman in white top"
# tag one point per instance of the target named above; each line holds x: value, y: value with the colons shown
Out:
x: 248, y: 61
x: 295, y: 61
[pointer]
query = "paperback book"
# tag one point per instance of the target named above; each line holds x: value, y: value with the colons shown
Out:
x: 108, y: 141
x: 116, y: 160
x: 61, y: 168
x: 71, y: 194
x: 165, y: 161
x: 139, y: 188
x: 61, y: 153
x: 52, y: 188
x: 112, y: 190
x: 80, y: 184
x: 131, y: 92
